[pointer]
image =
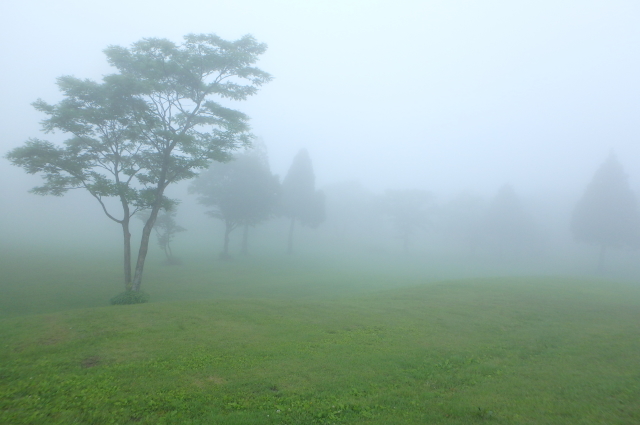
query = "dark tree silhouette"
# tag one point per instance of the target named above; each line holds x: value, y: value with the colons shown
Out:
x: 299, y: 199
x: 243, y: 192
x: 409, y: 210
x: 607, y: 214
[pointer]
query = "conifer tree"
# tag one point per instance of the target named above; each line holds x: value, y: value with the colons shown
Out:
x: 299, y: 200
x: 607, y: 215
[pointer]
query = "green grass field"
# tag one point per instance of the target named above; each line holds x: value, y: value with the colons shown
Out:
x: 303, y: 342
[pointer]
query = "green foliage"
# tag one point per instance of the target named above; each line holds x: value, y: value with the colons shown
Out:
x: 129, y: 297
x: 153, y: 123
x: 241, y: 191
x: 103, y: 153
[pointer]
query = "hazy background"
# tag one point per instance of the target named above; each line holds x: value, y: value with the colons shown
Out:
x: 446, y: 96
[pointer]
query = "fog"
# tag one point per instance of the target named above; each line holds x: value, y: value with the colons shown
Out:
x: 454, y: 98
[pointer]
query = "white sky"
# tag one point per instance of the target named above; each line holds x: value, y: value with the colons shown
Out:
x: 443, y: 95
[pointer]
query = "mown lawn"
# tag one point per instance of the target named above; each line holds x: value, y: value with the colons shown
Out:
x: 266, y: 347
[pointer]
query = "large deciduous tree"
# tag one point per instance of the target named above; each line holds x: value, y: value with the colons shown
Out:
x: 103, y: 156
x: 299, y: 198
x: 157, y: 121
x: 242, y: 192
x: 607, y: 214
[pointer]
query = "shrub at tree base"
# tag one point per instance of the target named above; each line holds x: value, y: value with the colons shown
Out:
x: 129, y: 297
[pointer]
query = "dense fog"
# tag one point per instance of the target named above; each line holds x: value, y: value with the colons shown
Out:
x: 459, y: 136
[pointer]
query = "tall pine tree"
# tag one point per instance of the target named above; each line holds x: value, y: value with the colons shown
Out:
x: 299, y: 200
x: 607, y: 214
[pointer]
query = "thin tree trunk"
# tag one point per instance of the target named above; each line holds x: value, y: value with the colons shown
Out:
x: 225, y: 248
x: 126, y: 235
x: 148, y: 226
x: 166, y: 254
x: 245, y: 240
x: 127, y: 253
x: 144, y: 246
x: 290, y: 244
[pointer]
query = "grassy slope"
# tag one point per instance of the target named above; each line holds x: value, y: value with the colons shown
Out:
x: 273, y: 347
x: 52, y: 281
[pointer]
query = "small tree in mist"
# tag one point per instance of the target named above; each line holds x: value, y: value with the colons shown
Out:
x: 153, y: 123
x: 351, y: 212
x: 299, y: 200
x: 409, y: 210
x: 166, y: 228
x: 607, y: 214
x: 243, y: 193
x: 461, y: 221
x: 507, y: 225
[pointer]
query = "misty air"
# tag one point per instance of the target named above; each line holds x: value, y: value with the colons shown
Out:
x: 348, y: 212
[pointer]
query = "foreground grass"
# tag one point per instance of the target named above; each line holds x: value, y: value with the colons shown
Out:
x: 504, y: 351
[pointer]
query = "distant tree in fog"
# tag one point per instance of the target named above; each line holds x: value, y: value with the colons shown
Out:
x: 243, y: 193
x: 166, y: 228
x: 461, y: 221
x: 409, y: 210
x: 607, y: 214
x: 507, y: 226
x: 299, y: 199
x: 351, y: 211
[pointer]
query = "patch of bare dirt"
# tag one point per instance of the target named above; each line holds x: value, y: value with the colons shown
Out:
x: 92, y: 361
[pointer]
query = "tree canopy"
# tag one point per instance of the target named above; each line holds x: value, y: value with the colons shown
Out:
x: 156, y: 121
x: 102, y: 156
x: 242, y: 192
x: 299, y: 199
x: 607, y: 215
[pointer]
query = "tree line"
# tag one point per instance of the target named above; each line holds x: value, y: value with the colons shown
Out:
x: 162, y: 118
x: 606, y: 216
x: 243, y: 193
